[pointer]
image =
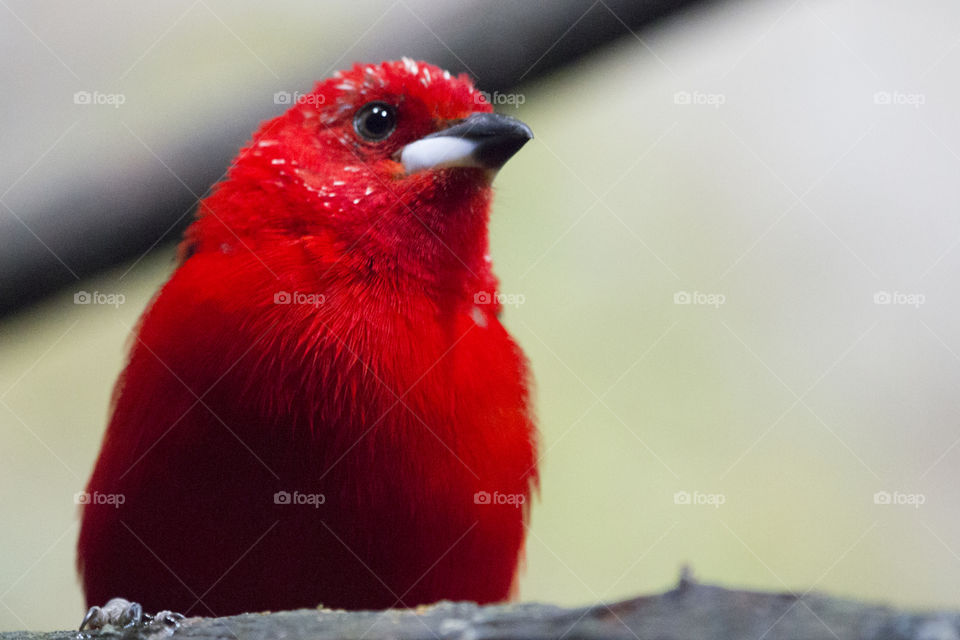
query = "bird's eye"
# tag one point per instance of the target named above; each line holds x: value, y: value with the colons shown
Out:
x: 375, y: 121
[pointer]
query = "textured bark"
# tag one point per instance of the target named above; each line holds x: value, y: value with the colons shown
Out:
x: 689, y: 611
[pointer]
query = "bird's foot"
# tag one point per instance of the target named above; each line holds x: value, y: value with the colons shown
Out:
x: 123, y: 613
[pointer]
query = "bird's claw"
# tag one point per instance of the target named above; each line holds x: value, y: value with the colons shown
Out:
x: 117, y: 612
x: 123, y: 613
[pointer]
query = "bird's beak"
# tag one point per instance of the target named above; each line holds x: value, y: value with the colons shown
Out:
x: 484, y: 140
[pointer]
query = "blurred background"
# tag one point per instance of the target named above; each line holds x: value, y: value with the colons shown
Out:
x: 734, y: 238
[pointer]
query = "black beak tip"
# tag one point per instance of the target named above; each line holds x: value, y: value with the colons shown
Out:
x: 527, y: 131
x: 505, y: 137
x: 494, y: 153
x: 498, y: 137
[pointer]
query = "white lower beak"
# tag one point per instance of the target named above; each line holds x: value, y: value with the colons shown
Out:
x: 439, y: 152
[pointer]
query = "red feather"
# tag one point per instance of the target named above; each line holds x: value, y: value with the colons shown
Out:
x: 380, y: 385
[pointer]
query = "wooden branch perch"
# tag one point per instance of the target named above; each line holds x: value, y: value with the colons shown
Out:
x: 689, y: 611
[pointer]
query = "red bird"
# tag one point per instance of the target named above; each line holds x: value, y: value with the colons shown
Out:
x: 321, y: 406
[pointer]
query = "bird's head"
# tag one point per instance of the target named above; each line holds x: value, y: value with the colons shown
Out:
x: 394, y: 160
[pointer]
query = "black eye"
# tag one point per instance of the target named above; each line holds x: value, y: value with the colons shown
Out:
x: 375, y: 121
